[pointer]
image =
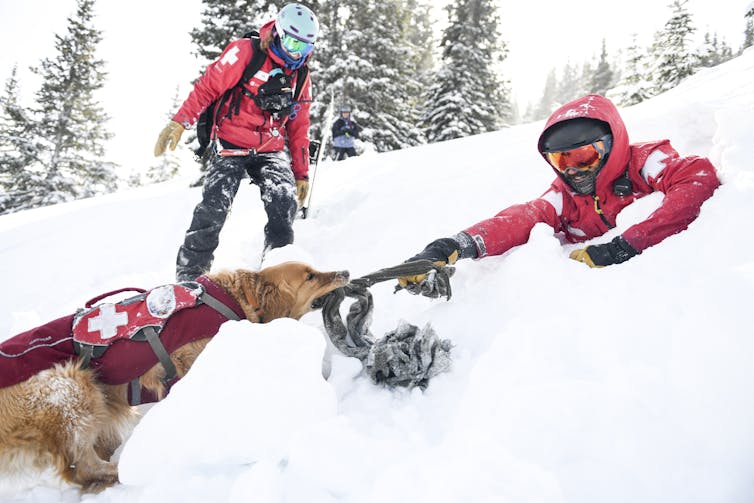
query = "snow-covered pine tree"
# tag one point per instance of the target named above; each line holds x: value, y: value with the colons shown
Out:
x: 380, y: 80
x: 713, y: 51
x: 671, y: 51
x: 749, y: 30
x: 634, y: 87
x: 602, y: 78
x: 226, y: 20
x: 69, y: 121
x: 550, y: 98
x: 467, y: 97
x: 328, y: 64
x: 19, y: 150
x: 569, y: 86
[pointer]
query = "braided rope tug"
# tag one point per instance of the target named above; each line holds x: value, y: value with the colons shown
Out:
x: 406, y: 356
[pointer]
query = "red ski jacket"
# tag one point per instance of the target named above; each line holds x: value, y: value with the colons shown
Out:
x: 653, y: 166
x: 33, y: 351
x: 252, y: 127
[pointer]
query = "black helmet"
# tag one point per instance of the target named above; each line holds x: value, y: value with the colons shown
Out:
x: 569, y: 134
x: 572, y: 134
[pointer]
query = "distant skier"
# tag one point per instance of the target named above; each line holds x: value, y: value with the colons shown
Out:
x: 598, y: 174
x: 344, y: 130
x: 251, y: 135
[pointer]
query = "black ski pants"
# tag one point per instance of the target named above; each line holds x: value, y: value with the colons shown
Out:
x: 271, y: 172
x: 343, y: 153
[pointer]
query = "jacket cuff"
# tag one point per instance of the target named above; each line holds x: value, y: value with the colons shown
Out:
x: 467, y: 246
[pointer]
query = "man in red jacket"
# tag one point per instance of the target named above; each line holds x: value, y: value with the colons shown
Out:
x: 598, y: 174
x: 250, y: 135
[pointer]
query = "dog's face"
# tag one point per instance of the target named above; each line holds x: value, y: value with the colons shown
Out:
x: 291, y: 288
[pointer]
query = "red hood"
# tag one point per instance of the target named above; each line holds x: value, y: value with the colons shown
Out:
x: 594, y: 106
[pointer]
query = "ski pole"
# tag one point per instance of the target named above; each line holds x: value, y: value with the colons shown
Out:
x: 314, y: 149
x: 317, y: 156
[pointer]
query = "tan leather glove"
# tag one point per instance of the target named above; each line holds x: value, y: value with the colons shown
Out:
x: 170, y: 136
x: 616, y: 251
x: 581, y: 255
x: 441, y: 252
x: 302, y: 189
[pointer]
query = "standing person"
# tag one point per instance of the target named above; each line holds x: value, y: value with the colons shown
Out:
x: 598, y: 174
x: 250, y: 133
x: 344, y: 130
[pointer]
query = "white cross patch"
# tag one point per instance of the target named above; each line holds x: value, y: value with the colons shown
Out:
x: 107, y: 322
x: 231, y: 57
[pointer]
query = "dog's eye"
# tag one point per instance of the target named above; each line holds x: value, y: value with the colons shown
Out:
x: 309, y: 276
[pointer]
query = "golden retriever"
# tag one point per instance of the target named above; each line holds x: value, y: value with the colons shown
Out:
x: 64, y: 417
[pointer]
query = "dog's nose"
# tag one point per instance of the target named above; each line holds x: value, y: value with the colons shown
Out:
x: 342, y: 275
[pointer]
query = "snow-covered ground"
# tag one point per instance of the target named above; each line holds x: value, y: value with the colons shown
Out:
x: 631, y: 383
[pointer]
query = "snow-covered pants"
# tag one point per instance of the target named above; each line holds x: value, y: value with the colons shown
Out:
x: 271, y: 172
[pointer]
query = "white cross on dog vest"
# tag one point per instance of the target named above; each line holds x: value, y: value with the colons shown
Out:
x: 103, y: 324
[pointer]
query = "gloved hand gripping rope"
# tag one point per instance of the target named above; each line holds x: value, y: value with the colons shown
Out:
x: 405, y: 356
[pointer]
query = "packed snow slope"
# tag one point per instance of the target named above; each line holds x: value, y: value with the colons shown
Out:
x: 624, y: 384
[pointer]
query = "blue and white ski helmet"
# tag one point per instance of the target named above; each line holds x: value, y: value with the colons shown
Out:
x: 298, y: 21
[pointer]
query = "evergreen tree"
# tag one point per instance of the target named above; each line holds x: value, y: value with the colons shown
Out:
x: 329, y: 64
x: 569, y: 86
x: 549, y: 100
x: 602, y: 79
x: 466, y: 96
x: 224, y: 21
x: 70, y: 122
x: 634, y: 86
x: 713, y: 51
x: 672, y: 55
x: 19, y: 151
x: 749, y: 30
x: 380, y: 78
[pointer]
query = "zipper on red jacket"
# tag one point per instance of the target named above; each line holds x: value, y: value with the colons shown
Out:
x: 598, y: 210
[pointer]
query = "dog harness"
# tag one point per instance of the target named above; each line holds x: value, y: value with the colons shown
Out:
x: 109, y: 337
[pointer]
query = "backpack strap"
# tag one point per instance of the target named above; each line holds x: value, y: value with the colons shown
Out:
x: 301, y: 76
x: 258, y: 57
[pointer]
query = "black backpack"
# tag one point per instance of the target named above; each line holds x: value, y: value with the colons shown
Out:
x: 208, y: 118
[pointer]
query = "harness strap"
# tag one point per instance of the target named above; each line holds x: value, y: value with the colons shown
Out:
x: 135, y: 388
x: 86, y: 354
x: 153, y: 338
x: 219, y: 307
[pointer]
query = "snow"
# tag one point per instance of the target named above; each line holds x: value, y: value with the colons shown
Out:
x: 569, y: 384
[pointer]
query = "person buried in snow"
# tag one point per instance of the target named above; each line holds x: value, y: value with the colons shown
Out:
x: 249, y: 133
x: 598, y: 174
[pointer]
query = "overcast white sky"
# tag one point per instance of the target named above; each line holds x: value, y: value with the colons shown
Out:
x: 147, y: 47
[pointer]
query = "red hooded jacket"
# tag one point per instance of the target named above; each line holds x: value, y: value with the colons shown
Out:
x: 652, y: 166
x: 252, y: 127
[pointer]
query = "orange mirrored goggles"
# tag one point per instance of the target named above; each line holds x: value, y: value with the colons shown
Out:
x: 582, y: 158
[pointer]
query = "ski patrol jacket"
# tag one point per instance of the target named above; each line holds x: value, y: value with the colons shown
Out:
x: 252, y: 127
x: 652, y: 166
x: 40, y: 348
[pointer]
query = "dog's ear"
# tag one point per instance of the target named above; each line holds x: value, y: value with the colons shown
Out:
x: 275, y: 300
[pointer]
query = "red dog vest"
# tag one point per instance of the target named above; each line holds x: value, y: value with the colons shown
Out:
x: 120, y: 358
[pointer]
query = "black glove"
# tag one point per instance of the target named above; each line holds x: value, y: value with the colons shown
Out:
x: 616, y: 251
x: 442, y: 252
